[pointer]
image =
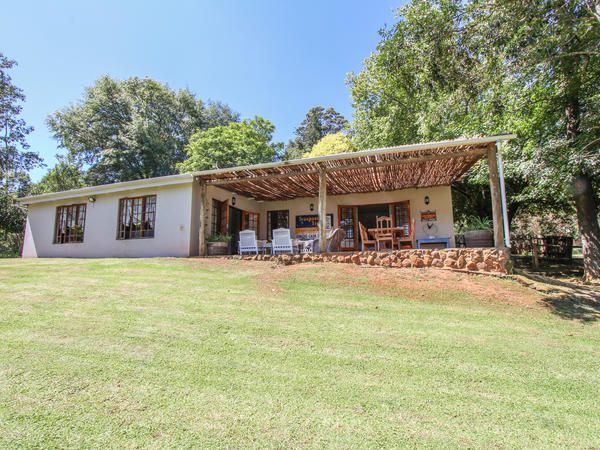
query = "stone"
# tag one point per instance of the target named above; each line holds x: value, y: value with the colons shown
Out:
x: 461, y: 262
x: 427, y: 260
x: 418, y: 262
x: 471, y: 265
x: 355, y: 259
x: 371, y: 260
x: 307, y: 257
x: 386, y: 261
x: 481, y: 266
x: 406, y: 263
x: 435, y: 254
x: 451, y: 254
x: 450, y: 262
x: 297, y: 258
x: 348, y: 259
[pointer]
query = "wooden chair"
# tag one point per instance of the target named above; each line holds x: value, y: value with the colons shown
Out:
x: 384, y: 232
x: 364, y: 238
x: 408, y: 241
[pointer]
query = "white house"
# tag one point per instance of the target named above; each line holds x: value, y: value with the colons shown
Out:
x: 163, y: 216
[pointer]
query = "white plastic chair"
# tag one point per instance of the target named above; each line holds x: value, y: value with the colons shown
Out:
x: 247, y: 242
x: 282, y: 241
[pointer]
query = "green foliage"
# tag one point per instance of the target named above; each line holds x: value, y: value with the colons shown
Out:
x: 235, y: 144
x: 318, y: 123
x: 473, y: 223
x: 15, y: 161
x: 219, y: 237
x: 331, y: 144
x: 62, y: 177
x: 132, y: 129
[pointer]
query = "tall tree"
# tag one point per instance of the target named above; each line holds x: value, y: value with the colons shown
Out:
x: 15, y: 159
x: 453, y: 68
x: 318, y: 123
x: 235, y: 144
x: 132, y: 129
x: 331, y: 144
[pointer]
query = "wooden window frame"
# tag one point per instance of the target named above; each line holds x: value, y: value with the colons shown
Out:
x: 74, y: 220
x: 244, y: 220
x: 270, y: 225
x: 144, y: 233
x: 355, y: 220
x: 403, y: 202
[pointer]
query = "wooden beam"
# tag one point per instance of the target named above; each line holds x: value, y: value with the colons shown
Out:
x: 496, y: 196
x: 323, y: 211
x: 364, y: 165
x: 203, y: 220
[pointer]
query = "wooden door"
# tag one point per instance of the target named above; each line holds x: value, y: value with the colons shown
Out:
x: 347, y: 220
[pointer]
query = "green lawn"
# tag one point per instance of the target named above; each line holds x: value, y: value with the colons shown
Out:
x: 213, y: 353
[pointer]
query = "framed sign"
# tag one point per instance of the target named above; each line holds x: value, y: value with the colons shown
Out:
x: 428, y: 216
x: 307, y: 225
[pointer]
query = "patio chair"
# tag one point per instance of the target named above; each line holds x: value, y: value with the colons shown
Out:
x: 364, y: 238
x: 247, y: 242
x: 408, y: 241
x: 334, y: 241
x: 282, y: 241
x: 384, y: 233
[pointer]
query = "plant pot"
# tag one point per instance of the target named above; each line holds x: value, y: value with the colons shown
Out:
x: 217, y: 248
x: 479, y: 238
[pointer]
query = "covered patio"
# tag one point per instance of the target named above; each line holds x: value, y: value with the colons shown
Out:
x: 341, y: 176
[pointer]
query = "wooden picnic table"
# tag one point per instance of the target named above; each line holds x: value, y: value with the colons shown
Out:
x: 392, y: 230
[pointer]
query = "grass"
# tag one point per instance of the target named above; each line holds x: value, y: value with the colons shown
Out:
x: 211, y: 353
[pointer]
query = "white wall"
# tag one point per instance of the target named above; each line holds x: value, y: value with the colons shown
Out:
x: 173, y: 226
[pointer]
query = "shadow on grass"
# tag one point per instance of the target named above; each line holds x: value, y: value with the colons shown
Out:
x: 569, y: 300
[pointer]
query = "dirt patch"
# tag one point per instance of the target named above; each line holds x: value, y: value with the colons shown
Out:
x: 414, y: 284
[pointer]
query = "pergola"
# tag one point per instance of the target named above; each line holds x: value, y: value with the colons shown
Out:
x: 384, y: 169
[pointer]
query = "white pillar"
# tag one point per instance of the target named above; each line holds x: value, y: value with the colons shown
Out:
x: 322, y: 210
x: 503, y: 193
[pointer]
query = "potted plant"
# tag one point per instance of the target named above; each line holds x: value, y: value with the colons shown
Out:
x: 477, y: 231
x: 218, y: 244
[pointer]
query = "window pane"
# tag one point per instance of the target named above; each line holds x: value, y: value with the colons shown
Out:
x: 69, y: 225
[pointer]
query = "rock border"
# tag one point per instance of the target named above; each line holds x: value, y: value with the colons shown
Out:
x: 478, y: 260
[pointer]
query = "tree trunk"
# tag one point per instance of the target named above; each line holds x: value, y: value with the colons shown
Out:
x: 587, y: 218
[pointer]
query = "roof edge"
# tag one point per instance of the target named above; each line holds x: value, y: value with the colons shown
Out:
x: 168, y: 180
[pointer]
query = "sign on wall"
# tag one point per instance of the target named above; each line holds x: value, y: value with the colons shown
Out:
x: 307, y: 225
x: 428, y: 216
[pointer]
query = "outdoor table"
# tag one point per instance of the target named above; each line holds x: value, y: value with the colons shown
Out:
x: 394, y: 230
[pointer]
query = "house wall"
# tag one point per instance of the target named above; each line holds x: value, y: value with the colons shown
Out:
x: 173, y: 226
x: 440, y: 201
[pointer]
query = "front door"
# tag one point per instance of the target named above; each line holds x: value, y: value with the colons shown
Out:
x: 235, y: 226
x: 347, y: 221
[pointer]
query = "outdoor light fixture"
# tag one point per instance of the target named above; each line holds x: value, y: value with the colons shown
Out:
x: 312, y: 206
x: 427, y: 199
x: 233, y: 200
x: 91, y: 199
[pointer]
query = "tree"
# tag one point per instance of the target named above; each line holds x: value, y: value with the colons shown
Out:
x: 331, y: 145
x: 452, y: 68
x: 235, y: 144
x: 15, y: 160
x: 132, y: 129
x: 65, y: 175
x: 319, y: 122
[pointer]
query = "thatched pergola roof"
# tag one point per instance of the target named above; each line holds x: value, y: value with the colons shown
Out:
x: 385, y: 169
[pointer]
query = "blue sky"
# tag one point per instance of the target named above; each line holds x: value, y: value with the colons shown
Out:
x: 270, y: 58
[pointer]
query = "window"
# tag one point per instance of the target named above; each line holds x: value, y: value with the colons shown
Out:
x: 136, y: 217
x: 250, y: 221
x: 219, y: 217
x: 402, y: 216
x: 277, y: 219
x: 70, y: 224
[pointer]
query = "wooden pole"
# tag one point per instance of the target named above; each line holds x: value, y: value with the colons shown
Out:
x: 322, y: 210
x: 202, y: 232
x: 496, y: 196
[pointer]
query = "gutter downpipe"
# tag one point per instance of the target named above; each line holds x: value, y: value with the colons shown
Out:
x: 503, y: 195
